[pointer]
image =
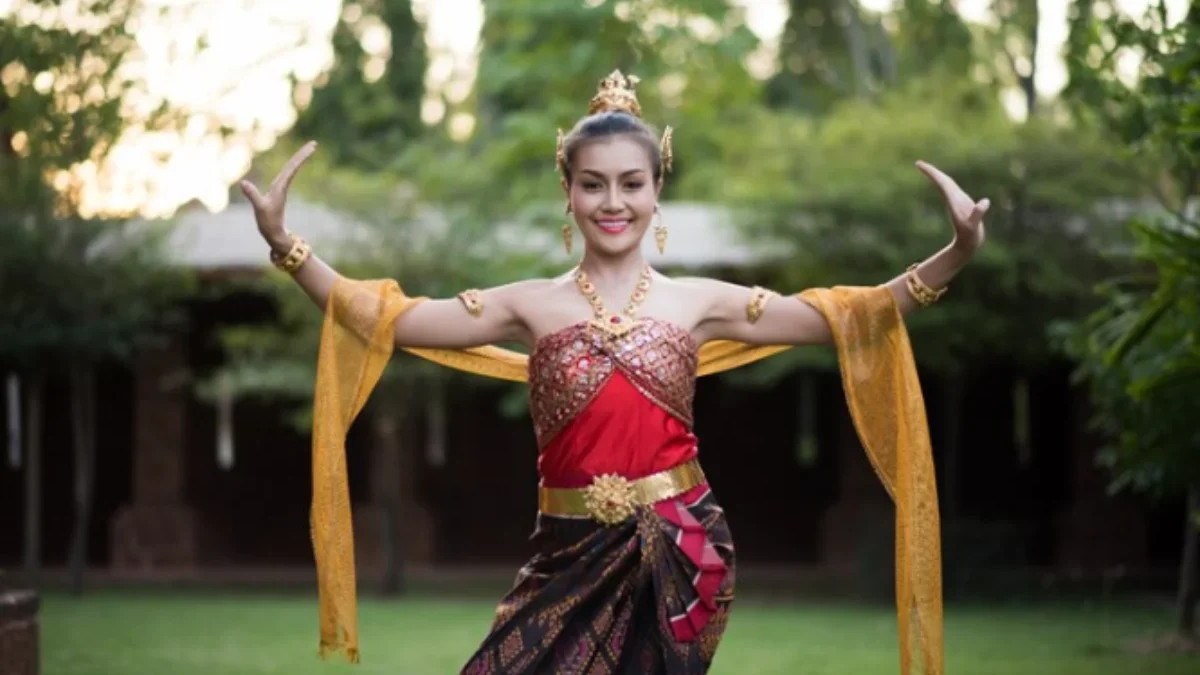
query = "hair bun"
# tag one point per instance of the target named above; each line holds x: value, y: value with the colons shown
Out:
x: 617, y: 94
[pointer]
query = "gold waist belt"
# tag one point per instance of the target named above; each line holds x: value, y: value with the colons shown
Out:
x: 611, y: 499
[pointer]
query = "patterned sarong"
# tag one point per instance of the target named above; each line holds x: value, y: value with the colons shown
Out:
x: 650, y: 596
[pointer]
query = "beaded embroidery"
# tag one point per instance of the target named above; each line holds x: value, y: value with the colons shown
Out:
x: 569, y: 367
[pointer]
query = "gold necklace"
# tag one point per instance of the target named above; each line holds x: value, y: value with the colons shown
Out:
x: 615, y: 325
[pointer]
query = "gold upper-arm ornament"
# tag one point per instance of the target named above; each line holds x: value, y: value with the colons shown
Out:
x: 470, y: 299
x: 759, y: 297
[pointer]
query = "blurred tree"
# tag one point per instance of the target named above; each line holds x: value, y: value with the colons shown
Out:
x: 367, y: 108
x: 835, y: 49
x: 542, y: 59
x: 931, y: 36
x: 79, y: 289
x: 1140, y: 352
x: 830, y: 51
x: 1014, y: 40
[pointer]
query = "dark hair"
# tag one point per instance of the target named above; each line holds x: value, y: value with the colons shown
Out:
x: 604, y: 125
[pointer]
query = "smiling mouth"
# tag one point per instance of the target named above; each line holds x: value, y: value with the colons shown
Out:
x: 615, y: 226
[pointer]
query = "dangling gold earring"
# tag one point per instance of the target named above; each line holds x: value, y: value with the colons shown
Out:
x: 660, y: 232
x: 568, y: 236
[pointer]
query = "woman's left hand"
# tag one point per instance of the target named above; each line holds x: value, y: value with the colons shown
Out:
x: 965, y: 213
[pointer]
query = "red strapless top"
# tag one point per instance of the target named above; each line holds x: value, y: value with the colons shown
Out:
x: 612, y: 405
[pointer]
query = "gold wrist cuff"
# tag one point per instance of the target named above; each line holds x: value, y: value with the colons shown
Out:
x: 296, y: 256
x: 924, y: 295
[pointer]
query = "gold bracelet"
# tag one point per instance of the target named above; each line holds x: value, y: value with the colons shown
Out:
x: 470, y: 299
x: 924, y: 295
x: 296, y: 256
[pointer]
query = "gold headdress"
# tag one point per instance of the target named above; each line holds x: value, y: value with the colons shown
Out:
x: 617, y: 92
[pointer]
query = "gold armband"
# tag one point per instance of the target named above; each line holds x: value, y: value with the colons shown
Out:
x: 923, y: 294
x: 470, y: 299
x: 758, y: 301
x: 296, y: 256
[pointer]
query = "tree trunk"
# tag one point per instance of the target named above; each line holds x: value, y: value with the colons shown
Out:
x: 1189, y: 566
x: 83, y: 426
x: 33, y: 473
x: 856, y: 44
x: 1029, y: 84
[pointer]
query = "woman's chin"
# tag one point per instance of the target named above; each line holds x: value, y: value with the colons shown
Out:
x: 616, y: 244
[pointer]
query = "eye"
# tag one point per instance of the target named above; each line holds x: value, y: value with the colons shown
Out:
x: 635, y: 184
x: 591, y: 185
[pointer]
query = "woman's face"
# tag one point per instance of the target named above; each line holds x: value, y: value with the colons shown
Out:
x: 612, y: 194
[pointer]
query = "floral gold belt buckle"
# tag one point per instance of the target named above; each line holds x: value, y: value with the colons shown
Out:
x: 610, y: 499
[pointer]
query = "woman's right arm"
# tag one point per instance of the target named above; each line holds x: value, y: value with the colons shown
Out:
x: 473, y: 320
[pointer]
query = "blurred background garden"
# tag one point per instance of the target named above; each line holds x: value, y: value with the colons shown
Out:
x: 155, y: 478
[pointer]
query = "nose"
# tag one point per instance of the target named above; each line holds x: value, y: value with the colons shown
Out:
x: 612, y: 200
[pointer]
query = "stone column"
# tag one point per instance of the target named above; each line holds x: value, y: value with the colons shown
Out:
x: 1095, y: 531
x: 158, y: 528
x: 19, y: 640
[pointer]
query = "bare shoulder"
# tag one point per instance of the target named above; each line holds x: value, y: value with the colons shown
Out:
x: 705, y: 285
x: 519, y: 296
x: 532, y: 291
x: 525, y: 287
x: 546, y: 304
x: 710, y: 293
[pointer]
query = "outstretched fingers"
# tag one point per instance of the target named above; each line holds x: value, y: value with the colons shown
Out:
x: 252, y: 193
x: 284, y: 180
x: 978, y: 211
x: 945, y: 183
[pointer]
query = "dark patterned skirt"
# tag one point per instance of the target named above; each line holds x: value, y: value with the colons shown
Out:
x: 649, y: 596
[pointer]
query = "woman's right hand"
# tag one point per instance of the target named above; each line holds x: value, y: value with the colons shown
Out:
x: 268, y: 208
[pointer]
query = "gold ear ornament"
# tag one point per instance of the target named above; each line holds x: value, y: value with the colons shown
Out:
x: 660, y: 231
x: 664, y: 149
x: 568, y: 234
x: 560, y: 155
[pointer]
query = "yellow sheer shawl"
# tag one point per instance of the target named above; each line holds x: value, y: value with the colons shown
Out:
x: 878, y: 375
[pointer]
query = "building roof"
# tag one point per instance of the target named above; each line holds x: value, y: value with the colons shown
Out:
x: 700, y: 236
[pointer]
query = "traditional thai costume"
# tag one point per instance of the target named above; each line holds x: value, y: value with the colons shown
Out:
x: 634, y: 569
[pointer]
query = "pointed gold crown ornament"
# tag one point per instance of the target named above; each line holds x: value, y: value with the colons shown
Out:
x: 618, y: 92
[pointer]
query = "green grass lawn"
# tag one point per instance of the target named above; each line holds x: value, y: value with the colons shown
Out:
x: 120, y: 633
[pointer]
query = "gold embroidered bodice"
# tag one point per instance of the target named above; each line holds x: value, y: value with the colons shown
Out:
x: 570, y: 366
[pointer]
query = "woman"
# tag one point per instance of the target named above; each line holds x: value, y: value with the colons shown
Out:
x: 634, y: 568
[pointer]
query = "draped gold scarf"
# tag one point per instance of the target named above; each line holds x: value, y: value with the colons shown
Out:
x: 878, y: 375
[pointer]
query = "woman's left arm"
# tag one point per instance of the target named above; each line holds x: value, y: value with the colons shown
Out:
x: 739, y: 313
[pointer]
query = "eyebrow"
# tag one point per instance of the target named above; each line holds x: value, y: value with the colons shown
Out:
x: 597, y: 174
